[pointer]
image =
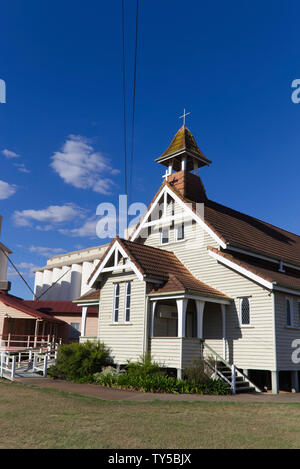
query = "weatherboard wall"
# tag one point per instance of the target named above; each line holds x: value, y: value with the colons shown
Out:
x: 126, y: 340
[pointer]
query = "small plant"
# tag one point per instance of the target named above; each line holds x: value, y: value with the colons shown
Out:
x: 144, y: 367
x: 199, y: 372
x: 78, y: 362
x: 108, y: 371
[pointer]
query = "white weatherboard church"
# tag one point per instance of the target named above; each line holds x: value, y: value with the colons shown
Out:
x: 196, y: 277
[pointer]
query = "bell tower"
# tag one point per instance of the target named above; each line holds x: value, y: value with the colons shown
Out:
x: 184, y: 157
x: 183, y: 153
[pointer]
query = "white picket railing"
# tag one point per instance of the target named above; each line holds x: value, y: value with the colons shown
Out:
x: 27, y: 360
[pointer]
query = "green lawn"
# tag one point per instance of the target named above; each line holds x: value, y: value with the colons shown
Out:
x: 37, y: 418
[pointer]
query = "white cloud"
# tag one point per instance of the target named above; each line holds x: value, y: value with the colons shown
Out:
x: 25, y: 268
x: 45, y: 227
x: 45, y: 251
x: 6, y: 190
x: 88, y: 229
x: 53, y: 214
x: 9, y: 154
x: 21, y: 167
x: 79, y: 165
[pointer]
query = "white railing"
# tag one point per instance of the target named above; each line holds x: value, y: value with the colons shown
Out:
x: 234, y: 370
x: 16, y: 341
x: 28, y: 360
x: 7, y: 365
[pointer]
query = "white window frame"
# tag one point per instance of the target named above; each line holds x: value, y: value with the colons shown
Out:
x: 290, y: 299
x: 161, y: 236
x: 176, y: 233
x: 114, y: 304
x: 240, y: 311
x: 125, y: 301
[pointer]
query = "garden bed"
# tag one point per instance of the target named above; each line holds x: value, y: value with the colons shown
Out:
x: 92, y: 363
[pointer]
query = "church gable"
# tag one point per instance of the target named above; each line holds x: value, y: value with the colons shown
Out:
x: 116, y: 259
x: 172, y: 218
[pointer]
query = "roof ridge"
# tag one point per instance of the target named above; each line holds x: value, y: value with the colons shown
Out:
x: 251, y: 216
x: 176, y: 278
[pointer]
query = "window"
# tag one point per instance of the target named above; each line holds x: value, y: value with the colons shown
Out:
x: 127, y: 302
x: 289, y: 312
x: 74, y: 330
x: 180, y: 232
x: 172, y: 207
x: 245, y: 311
x: 164, y: 236
x: 298, y: 313
x: 116, y: 303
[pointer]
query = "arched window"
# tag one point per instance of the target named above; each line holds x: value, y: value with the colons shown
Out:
x: 127, y: 302
x: 245, y: 311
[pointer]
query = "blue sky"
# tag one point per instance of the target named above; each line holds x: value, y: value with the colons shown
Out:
x: 230, y: 63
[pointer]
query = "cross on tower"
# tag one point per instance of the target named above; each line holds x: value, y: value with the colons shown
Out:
x: 184, y: 116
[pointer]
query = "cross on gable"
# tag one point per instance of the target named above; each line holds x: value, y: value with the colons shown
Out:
x: 184, y: 116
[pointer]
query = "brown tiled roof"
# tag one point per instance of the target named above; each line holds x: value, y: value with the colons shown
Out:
x: 233, y: 227
x: 236, y: 228
x: 183, y: 141
x: 187, y: 283
x: 242, y: 230
x: 264, y: 269
x: 166, y: 267
x: 90, y: 295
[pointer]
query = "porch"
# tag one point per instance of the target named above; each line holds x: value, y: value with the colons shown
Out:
x: 22, y: 333
x: 180, y: 324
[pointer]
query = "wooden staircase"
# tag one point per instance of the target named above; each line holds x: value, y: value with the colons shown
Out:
x: 242, y: 384
x: 229, y: 373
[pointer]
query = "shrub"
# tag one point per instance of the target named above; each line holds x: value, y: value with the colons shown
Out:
x: 199, y: 372
x: 78, y: 362
x: 144, y: 367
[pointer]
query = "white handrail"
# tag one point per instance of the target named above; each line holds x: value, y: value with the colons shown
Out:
x: 234, y: 372
x: 233, y: 379
x: 36, y: 361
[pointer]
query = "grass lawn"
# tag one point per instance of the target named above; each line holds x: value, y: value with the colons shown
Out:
x: 40, y: 418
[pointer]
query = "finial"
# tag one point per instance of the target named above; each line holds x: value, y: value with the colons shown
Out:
x: 184, y: 116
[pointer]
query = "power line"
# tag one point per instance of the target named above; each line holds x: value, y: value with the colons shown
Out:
x: 52, y: 285
x: 124, y: 99
x: 19, y: 273
x: 133, y: 99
